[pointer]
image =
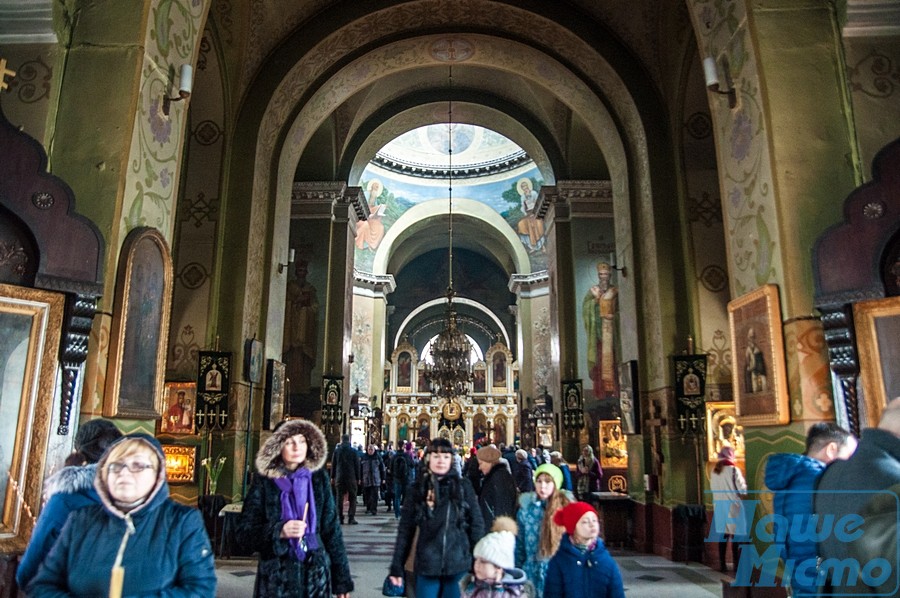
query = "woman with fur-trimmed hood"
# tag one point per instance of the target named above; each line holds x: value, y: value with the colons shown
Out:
x: 67, y: 490
x: 161, y: 546
x: 290, y: 519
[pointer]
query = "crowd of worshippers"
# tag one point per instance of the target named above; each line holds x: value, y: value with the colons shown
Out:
x: 495, y: 524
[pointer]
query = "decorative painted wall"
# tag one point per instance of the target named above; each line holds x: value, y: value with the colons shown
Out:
x: 743, y: 158
x: 593, y: 242
x: 198, y: 213
x: 173, y: 32
x: 873, y: 72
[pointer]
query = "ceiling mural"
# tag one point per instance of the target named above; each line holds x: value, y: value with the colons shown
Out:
x: 412, y: 170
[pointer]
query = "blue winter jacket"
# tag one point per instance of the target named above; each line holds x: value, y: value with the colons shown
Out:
x: 69, y: 489
x: 793, y: 479
x: 577, y: 573
x: 169, y: 554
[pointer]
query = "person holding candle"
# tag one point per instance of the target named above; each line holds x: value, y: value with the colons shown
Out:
x: 137, y: 542
x: 290, y: 518
x: 67, y: 490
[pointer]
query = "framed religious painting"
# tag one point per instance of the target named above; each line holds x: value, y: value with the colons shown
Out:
x: 179, y: 408
x: 613, y: 446
x: 181, y: 464
x: 877, y: 325
x: 722, y: 429
x: 140, y: 326
x: 758, y: 368
x: 31, y: 321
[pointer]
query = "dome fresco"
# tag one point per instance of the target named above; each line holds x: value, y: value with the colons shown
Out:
x: 487, y: 168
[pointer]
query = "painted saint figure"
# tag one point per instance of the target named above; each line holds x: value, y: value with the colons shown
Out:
x: 300, y: 329
x: 599, y: 312
x: 529, y: 227
x: 755, y: 377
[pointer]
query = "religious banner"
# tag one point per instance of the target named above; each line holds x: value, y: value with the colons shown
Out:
x: 690, y: 388
x: 213, y: 381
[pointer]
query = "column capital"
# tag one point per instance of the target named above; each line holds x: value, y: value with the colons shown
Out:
x: 373, y: 285
x: 526, y: 286
x: 582, y: 197
x: 314, y: 199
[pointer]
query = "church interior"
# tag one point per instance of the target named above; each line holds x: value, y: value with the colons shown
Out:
x: 663, y: 227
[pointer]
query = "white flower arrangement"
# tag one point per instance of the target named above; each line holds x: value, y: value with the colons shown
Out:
x: 213, y: 470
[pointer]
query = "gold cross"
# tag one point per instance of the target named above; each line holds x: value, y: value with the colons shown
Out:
x: 4, y: 72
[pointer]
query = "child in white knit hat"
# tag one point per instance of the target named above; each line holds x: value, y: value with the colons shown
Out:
x: 496, y: 575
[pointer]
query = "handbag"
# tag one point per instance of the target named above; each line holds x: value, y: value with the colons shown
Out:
x: 389, y: 589
x: 317, y: 574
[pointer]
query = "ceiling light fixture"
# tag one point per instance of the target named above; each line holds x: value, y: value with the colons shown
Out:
x: 449, y: 371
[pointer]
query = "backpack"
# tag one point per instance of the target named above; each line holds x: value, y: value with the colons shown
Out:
x: 400, y: 468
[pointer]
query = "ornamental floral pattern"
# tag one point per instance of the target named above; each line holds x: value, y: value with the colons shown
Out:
x: 173, y: 33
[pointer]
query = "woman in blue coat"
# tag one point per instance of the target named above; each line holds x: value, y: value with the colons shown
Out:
x: 582, y: 567
x: 69, y: 489
x: 162, y: 546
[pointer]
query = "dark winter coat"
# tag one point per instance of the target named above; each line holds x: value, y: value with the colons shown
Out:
x: 524, y: 475
x: 793, y: 478
x: 498, y: 495
x: 447, y: 533
x: 849, y: 487
x: 345, y: 465
x: 402, y: 468
x: 278, y: 572
x: 576, y: 573
x: 69, y: 489
x: 372, y: 470
x: 169, y: 554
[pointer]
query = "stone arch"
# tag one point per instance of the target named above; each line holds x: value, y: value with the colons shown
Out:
x: 567, y: 59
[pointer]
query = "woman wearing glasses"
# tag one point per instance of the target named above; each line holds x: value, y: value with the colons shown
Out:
x: 162, y: 547
x: 289, y: 517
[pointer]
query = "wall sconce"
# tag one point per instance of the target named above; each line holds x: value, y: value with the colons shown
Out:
x: 612, y: 264
x: 711, y: 75
x: 290, y: 261
x: 185, y: 85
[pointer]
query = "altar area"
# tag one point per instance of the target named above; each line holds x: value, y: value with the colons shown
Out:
x: 488, y: 413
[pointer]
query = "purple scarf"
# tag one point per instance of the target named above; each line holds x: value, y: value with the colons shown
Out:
x: 296, y: 491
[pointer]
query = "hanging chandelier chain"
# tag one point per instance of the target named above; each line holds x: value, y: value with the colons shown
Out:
x: 449, y: 372
x: 450, y: 166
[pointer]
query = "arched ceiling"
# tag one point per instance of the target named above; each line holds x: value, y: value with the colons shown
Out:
x: 501, y: 100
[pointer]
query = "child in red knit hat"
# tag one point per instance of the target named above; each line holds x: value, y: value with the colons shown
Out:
x: 582, y: 567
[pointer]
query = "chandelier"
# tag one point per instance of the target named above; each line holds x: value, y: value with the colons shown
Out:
x: 449, y: 371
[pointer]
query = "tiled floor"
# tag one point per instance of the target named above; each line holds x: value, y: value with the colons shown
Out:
x: 370, y: 544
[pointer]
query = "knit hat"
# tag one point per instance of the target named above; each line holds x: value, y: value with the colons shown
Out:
x: 488, y: 454
x: 93, y: 438
x: 499, y: 546
x: 571, y: 514
x: 551, y: 470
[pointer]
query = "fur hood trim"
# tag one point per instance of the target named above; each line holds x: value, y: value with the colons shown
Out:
x: 70, y: 480
x: 268, y: 459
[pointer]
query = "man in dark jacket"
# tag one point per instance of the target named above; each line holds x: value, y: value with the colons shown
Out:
x: 523, y: 472
x: 372, y: 475
x: 793, y: 478
x: 345, y: 468
x: 847, y: 487
x: 498, y: 489
x: 401, y: 471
